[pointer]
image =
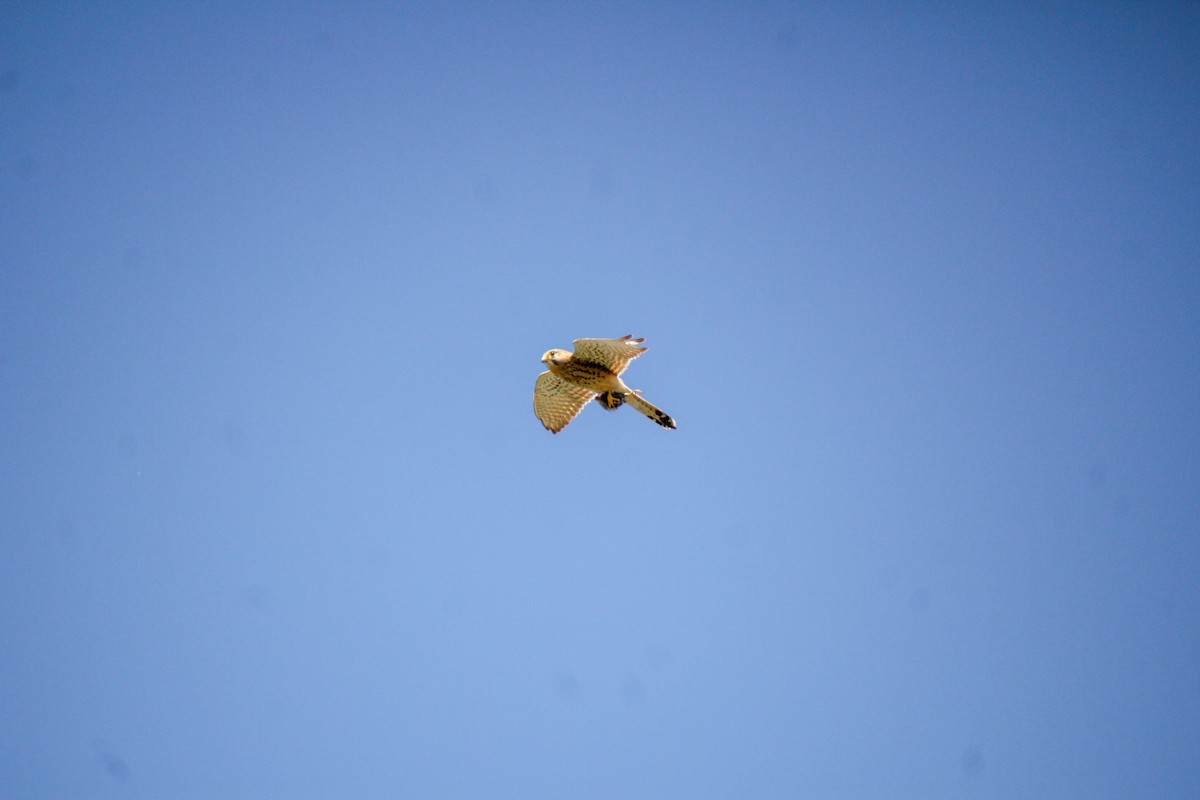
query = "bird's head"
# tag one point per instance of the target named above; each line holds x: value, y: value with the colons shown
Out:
x: 555, y: 357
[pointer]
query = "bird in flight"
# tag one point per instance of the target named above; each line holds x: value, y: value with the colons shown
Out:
x: 593, y: 370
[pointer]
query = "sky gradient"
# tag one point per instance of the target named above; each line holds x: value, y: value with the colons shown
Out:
x: 921, y: 286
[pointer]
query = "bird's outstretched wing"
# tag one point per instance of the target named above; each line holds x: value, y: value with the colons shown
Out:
x: 612, y: 354
x: 556, y: 402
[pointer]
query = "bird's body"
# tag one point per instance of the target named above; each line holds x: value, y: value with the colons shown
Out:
x: 593, y: 370
x: 587, y: 374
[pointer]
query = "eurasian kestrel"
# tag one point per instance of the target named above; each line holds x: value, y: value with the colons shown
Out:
x: 593, y: 370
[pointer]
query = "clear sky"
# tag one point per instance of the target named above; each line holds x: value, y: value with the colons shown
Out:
x: 921, y: 285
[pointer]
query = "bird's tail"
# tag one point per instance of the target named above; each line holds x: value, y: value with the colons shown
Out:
x: 653, y: 412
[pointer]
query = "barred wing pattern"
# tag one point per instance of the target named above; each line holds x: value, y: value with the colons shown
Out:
x: 614, y: 354
x: 556, y: 402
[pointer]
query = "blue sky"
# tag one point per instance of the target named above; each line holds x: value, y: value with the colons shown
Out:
x: 921, y: 284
